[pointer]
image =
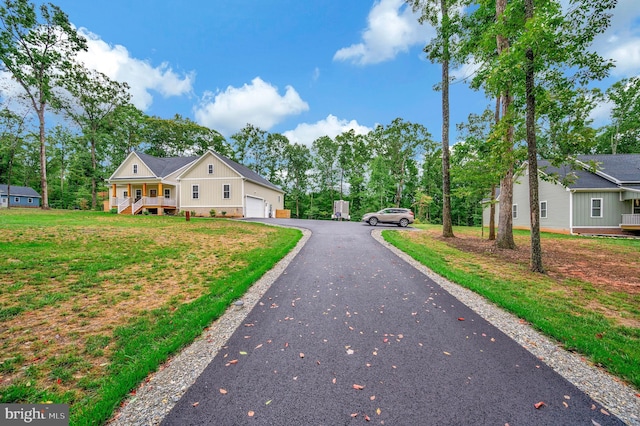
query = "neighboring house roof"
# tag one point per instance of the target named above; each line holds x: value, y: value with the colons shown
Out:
x: 622, y: 168
x: 613, y: 171
x: 577, y: 177
x: 162, y: 167
x: 19, y: 191
x: 246, y: 172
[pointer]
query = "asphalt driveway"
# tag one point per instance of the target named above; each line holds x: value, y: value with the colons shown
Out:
x: 351, y: 334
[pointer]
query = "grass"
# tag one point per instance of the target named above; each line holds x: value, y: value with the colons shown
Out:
x: 583, y: 317
x: 91, y: 303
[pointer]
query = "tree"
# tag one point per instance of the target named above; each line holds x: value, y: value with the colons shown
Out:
x: 442, y: 15
x: 92, y: 97
x: 180, y: 136
x: 36, y: 49
x: 399, y: 145
x: 11, y: 140
x: 623, y: 134
x: 297, y: 164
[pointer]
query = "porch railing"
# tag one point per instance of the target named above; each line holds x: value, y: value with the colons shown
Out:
x: 122, y: 204
x: 137, y: 205
x: 631, y: 219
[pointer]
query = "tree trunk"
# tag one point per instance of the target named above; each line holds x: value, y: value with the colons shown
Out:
x: 492, y: 214
x: 94, y: 170
x: 447, y: 226
x: 43, y: 160
x: 536, y: 249
x: 505, y: 219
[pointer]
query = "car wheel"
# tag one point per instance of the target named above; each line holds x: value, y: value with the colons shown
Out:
x: 404, y: 222
x: 373, y: 221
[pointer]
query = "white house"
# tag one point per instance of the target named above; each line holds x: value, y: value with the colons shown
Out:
x: 195, y: 184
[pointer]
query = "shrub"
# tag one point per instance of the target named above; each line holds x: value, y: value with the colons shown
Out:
x: 212, y: 212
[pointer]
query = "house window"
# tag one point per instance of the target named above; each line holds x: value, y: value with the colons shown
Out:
x: 514, y: 211
x: 30, y: 200
x: 278, y: 198
x: 167, y: 193
x: 153, y: 193
x: 596, y: 207
x: 125, y: 194
x: 210, y: 167
x: 226, y: 191
x: 195, y: 192
x: 16, y: 199
x: 135, y: 169
x: 543, y: 209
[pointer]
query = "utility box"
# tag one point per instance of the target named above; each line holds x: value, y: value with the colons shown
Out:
x: 340, y: 210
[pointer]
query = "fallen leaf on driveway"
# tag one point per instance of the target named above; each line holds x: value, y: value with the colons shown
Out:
x: 358, y: 387
x: 605, y: 412
x: 460, y: 319
x: 301, y: 355
x: 251, y: 414
x: 354, y: 414
x: 446, y: 353
x: 378, y: 411
x: 539, y: 405
x: 372, y: 397
x: 195, y: 404
x: 366, y: 418
x: 232, y: 362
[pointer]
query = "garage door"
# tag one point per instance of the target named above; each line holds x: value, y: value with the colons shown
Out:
x: 255, y: 207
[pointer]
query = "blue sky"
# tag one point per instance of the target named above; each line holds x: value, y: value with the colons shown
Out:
x: 302, y: 68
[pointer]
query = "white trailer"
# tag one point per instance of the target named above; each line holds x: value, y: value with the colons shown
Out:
x: 340, y: 210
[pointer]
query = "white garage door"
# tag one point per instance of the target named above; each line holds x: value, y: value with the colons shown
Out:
x: 255, y: 207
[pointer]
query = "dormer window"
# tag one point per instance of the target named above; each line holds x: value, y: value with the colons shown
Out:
x: 135, y: 169
x: 210, y: 167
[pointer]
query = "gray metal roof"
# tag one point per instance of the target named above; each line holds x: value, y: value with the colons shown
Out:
x: 19, y: 191
x: 162, y: 167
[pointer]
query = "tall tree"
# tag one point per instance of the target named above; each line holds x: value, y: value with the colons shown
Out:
x: 444, y: 16
x: 36, y: 47
x: 12, y: 127
x: 623, y: 133
x: 92, y: 97
x: 399, y: 145
x: 297, y: 162
x: 180, y: 136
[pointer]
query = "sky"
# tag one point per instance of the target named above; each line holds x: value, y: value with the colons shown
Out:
x: 297, y: 67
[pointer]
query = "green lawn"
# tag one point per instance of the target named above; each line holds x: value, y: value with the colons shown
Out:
x: 601, y: 323
x: 91, y: 303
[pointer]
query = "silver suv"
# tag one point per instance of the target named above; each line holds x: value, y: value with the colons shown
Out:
x: 401, y: 217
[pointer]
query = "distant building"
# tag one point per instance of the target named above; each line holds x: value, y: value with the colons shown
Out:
x: 210, y: 182
x: 21, y: 196
x: 604, y: 200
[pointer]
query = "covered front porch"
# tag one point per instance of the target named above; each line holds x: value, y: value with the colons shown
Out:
x: 631, y: 222
x: 135, y: 198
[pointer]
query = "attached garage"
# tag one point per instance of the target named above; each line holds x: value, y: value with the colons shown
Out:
x: 255, y: 207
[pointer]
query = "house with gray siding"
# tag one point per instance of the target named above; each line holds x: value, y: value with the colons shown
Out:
x: 196, y: 184
x: 600, y: 194
x: 20, y: 196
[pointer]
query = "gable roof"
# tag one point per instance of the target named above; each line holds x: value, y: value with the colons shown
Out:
x: 611, y: 171
x: 162, y: 167
x: 246, y: 172
x: 621, y: 168
x: 19, y: 191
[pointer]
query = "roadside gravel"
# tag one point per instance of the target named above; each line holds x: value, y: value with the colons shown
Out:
x: 162, y: 390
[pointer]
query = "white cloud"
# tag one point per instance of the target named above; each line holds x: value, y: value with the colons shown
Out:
x: 621, y: 41
x: 331, y: 126
x: 142, y: 77
x: 392, y: 28
x: 258, y: 103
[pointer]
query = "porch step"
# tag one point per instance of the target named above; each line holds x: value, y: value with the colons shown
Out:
x: 126, y: 211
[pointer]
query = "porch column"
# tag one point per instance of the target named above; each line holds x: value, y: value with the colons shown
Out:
x: 113, y: 195
x: 144, y: 189
x: 129, y: 190
x: 161, y: 198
